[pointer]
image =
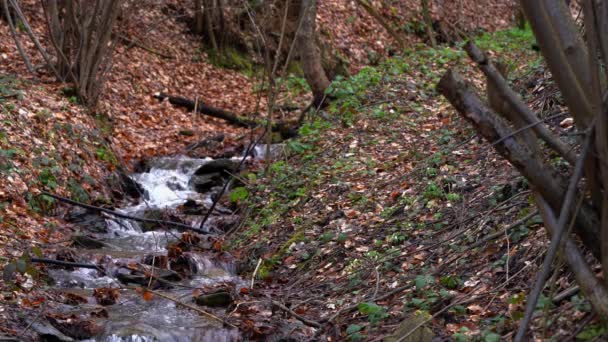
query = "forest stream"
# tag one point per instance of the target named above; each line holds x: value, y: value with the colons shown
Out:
x: 178, y: 186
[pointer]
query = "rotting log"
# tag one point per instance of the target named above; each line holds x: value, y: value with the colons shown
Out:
x: 207, y: 110
x: 285, y: 129
x: 541, y: 176
x: 517, y: 106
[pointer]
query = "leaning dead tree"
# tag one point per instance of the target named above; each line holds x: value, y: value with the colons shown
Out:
x: 577, y: 64
x: 81, y: 35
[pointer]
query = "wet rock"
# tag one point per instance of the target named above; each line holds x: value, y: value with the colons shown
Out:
x: 218, y: 165
x: 88, y: 219
x: 226, y: 223
x: 140, y: 278
x: 130, y: 187
x: 217, y: 299
x: 75, y: 326
x: 204, y: 182
x: 152, y: 214
x: 106, y: 295
x: 47, y: 332
x: 89, y: 242
x: 191, y: 207
x: 142, y: 166
x: 160, y: 261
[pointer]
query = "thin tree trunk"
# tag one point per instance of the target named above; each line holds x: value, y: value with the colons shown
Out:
x: 26, y: 60
x: 428, y: 22
x: 310, y: 56
x: 198, y: 17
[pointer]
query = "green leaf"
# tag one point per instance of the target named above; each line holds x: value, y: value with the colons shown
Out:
x: 491, y: 337
x: 353, y: 328
x: 37, y: 251
x: 9, y: 271
x: 369, y: 308
x: 422, y: 280
x: 21, y: 265
x: 238, y: 194
x: 591, y: 332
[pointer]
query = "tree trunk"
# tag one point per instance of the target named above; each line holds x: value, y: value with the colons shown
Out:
x: 428, y: 22
x: 198, y: 17
x: 310, y: 56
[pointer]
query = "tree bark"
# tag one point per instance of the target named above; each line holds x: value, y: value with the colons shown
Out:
x: 540, y: 175
x: 310, y: 56
x: 198, y: 17
x: 428, y: 22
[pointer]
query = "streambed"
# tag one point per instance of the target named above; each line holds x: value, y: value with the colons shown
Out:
x: 167, y: 186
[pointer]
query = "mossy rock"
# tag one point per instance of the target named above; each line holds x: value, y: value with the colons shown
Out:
x: 217, y: 299
x: 421, y: 334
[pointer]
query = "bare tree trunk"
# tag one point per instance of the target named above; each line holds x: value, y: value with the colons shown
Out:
x: 428, y: 22
x: 198, y: 17
x: 81, y: 33
x: 310, y: 56
x: 9, y: 20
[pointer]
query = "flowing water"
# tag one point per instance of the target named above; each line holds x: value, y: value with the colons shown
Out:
x: 165, y: 187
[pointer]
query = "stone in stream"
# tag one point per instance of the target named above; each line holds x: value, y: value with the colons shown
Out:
x: 218, y: 165
x: 88, y: 219
x: 130, y: 186
x: 89, y: 242
x: 216, y: 299
x: 47, y: 332
x: 76, y: 326
x: 140, y: 278
x: 204, y: 182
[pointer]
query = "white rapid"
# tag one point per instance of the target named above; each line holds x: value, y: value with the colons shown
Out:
x: 165, y: 187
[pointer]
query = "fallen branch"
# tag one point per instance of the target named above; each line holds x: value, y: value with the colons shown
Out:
x: 591, y: 286
x: 66, y: 263
x: 135, y: 43
x: 124, y: 216
x: 540, y: 175
x: 304, y: 320
x: 503, y: 231
x: 285, y: 129
x: 191, y: 307
x: 518, y: 107
x: 207, y: 110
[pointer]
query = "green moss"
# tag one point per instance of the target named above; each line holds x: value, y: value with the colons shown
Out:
x: 230, y: 58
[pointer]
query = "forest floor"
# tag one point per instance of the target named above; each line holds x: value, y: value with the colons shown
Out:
x: 387, y: 212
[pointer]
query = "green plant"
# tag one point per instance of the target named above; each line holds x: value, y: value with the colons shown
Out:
x: 238, y: 194
x: 353, y: 332
x: 375, y: 313
x: 105, y: 154
x: 432, y: 191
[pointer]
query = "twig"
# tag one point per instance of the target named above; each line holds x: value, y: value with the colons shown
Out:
x: 225, y: 186
x: 40, y: 312
x: 555, y: 240
x: 304, y: 320
x: 66, y: 263
x: 255, y: 272
x: 136, y: 43
x: 124, y: 216
x: 472, y: 297
x: 567, y: 293
x: 584, y: 322
x: 504, y: 230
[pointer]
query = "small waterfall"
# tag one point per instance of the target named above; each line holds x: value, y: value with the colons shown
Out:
x: 165, y: 187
